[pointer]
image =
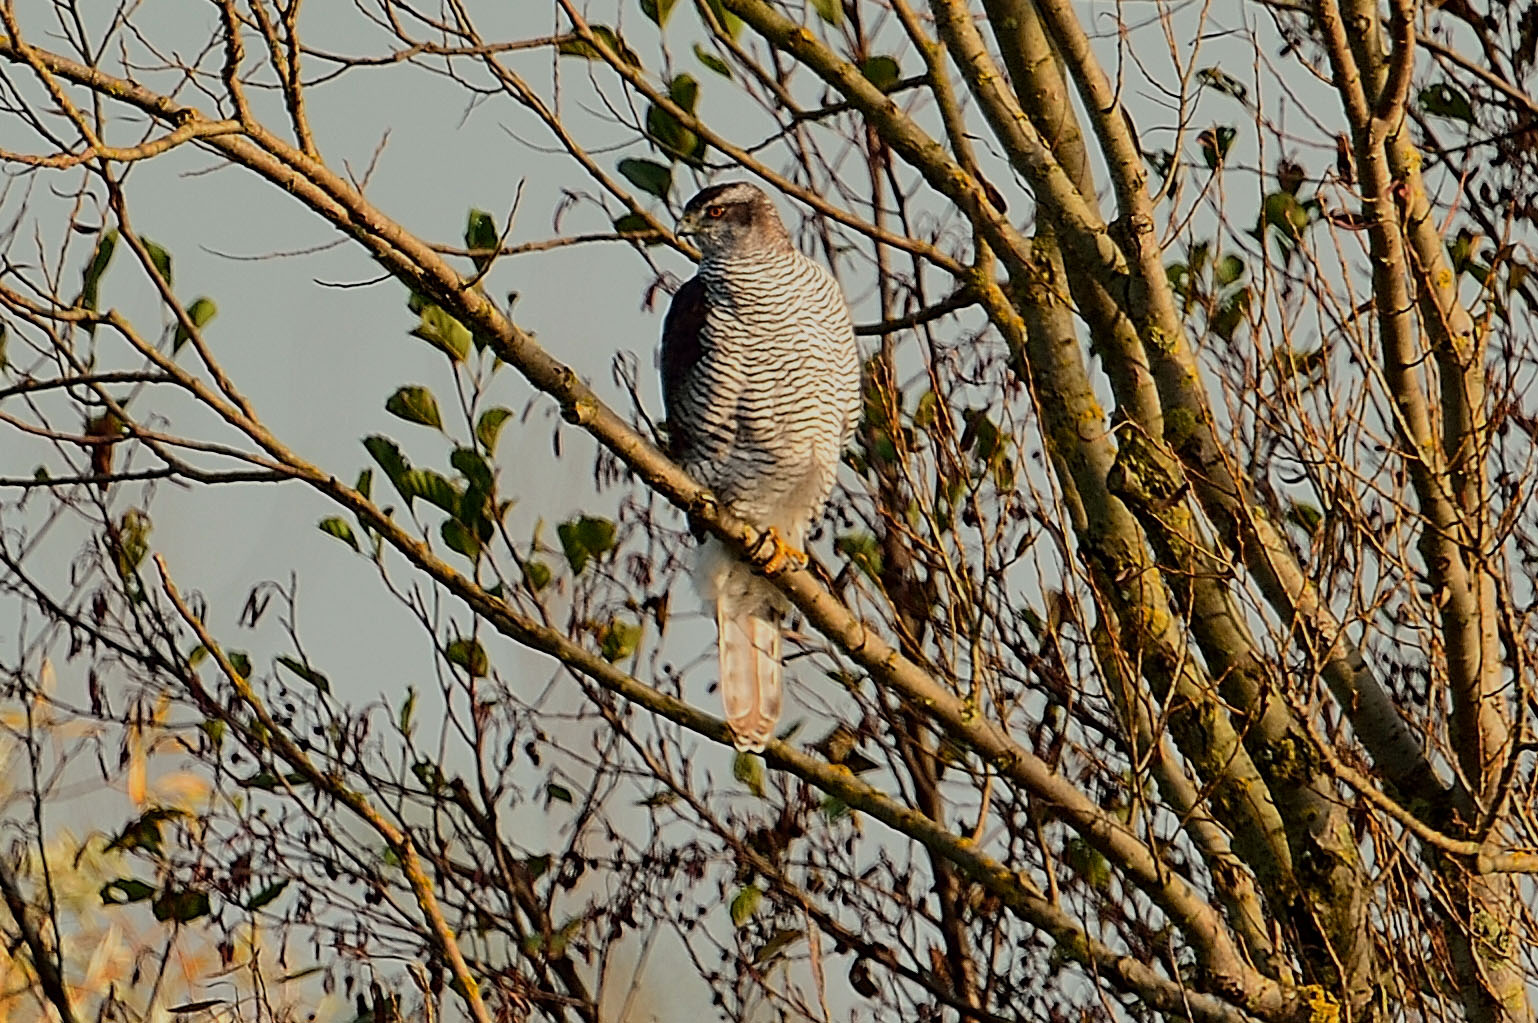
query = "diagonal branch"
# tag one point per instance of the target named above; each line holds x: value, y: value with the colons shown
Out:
x: 43, y: 962
x: 277, y: 738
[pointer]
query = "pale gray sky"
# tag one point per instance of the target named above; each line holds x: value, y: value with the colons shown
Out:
x: 319, y: 362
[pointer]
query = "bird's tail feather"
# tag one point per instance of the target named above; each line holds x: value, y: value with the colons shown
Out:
x: 751, y: 682
x: 748, y: 613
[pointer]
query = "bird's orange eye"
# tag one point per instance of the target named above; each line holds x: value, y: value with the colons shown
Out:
x: 715, y: 212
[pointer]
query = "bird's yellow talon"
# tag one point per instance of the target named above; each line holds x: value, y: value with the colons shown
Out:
x: 780, y: 555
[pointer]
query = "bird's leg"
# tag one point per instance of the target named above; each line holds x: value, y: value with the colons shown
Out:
x: 778, y: 556
x: 701, y: 509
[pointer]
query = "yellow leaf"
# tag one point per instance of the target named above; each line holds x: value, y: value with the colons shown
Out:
x: 184, y: 790
x: 105, y: 965
x: 138, y: 775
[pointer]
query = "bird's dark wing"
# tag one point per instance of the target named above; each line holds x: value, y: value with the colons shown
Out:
x: 681, y: 350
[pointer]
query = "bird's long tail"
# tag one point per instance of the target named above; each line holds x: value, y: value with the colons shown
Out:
x: 748, y: 639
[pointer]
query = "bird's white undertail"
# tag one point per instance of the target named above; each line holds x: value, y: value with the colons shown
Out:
x: 748, y: 615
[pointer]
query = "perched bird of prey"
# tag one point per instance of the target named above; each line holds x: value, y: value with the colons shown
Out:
x: 761, y: 379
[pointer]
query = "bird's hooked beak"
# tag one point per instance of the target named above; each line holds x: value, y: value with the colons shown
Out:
x: 688, y: 224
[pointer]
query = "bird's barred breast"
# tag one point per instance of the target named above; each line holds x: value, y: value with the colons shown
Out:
x: 773, y: 398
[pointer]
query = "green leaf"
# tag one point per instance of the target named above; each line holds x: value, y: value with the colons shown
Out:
x: 556, y: 793
x: 468, y: 654
x: 474, y: 468
x: 536, y: 574
x: 574, y: 47
x: 882, y: 72
x: 778, y: 942
x: 711, y: 61
x: 658, y: 10
x: 684, y: 90
x: 415, y: 404
x: 576, y: 554
x: 729, y: 22
x: 199, y: 312
x: 443, y: 332
x: 478, y: 513
x: 365, y: 484
x: 831, y: 11
x: 633, y: 223
x: 563, y: 936
x: 670, y: 136
x: 125, y: 890
x: 1305, y: 516
x: 390, y: 459
x: 1215, y: 143
x: 618, y: 640
x: 1460, y: 250
x: 649, y: 176
x: 864, y: 550
x: 481, y: 233
x: 1229, y: 269
x: 668, y: 132
x: 181, y: 905
x: 1229, y: 316
x: 744, y: 904
x: 748, y: 768
x: 433, y: 488
x: 213, y: 728
x: 460, y: 539
x: 584, y: 539
x: 143, y: 832
x: 1444, y: 100
x: 160, y: 258
x: 597, y: 534
x: 266, y: 895
x: 980, y: 436
x: 1283, y: 211
x: 101, y: 258
x: 132, y: 542
x: 240, y: 661
x: 307, y: 673
x: 489, y: 425
x: 337, y: 527
x: 1087, y: 862
x: 408, y: 709
x: 1222, y: 81
x: 1003, y: 470
x: 429, y: 774
x: 927, y: 411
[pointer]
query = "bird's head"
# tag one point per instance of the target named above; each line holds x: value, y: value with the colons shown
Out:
x: 732, y: 219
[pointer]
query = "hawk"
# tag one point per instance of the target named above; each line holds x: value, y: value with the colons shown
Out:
x: 761, y: 383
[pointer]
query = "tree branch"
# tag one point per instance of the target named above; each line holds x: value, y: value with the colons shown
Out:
x: 400, y: 842
x: 43, y: 961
